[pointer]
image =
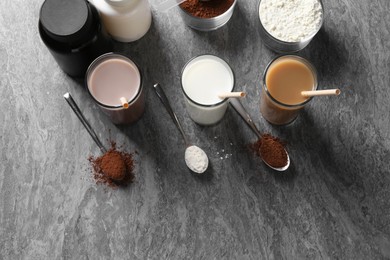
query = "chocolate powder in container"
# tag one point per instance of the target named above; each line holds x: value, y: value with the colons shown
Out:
x: 206, y: 9
x: 114, y: 168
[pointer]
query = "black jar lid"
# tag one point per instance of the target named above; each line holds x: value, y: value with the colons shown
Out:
x: 66, y: 21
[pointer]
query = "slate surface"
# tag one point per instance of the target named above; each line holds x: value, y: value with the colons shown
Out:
x: 333, y: 203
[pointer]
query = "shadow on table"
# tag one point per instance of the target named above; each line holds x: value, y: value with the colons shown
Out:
x: 287, y: 176
x: 327, y: 54
x: 205, y: 177
x: 333, y: 160
x: 79, y: 81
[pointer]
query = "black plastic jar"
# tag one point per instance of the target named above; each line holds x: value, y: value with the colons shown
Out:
x: 72, y: 32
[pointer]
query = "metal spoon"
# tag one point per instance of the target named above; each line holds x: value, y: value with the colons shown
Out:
x: 83, y: 120
x: 190, y: 148
x: 236, y: 104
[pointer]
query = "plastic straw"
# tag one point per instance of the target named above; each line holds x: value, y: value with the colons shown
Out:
x: 326, y: 92
x: 231, y: 95
x: 125, y: 105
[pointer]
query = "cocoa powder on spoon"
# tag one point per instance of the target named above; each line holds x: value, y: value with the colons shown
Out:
x: 271, y: 150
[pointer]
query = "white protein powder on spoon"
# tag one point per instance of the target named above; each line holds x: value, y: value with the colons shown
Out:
x: 291, y: 20
x: 196, y: 159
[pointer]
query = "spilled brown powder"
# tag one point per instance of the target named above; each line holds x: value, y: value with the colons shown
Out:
x: 114, y: 168
x: 271, y: 149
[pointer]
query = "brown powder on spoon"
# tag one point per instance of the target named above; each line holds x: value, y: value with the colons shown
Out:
x: 271, y: 149
x: 114, y: 168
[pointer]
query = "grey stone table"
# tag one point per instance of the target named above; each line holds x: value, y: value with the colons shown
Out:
x: 333, y: 203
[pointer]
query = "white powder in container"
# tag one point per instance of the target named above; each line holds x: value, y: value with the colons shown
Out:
x: 291, y: 20
x: 196, y: 159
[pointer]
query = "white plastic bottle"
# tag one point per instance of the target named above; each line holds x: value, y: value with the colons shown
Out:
x: 125, y: 20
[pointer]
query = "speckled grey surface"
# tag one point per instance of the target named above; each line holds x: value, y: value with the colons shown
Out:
x: 333, y: 203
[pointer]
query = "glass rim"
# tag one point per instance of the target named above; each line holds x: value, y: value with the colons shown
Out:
x: 98, y: 61
x: 296, y: 57
x: 197, y: 103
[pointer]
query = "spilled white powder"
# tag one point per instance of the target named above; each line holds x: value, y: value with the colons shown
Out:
x: 196, y: 159
x: 224, y: 154
x: 290, y: 20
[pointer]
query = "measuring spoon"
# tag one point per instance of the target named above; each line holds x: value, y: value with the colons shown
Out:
x: 236, y: 104
x: 198, y: 166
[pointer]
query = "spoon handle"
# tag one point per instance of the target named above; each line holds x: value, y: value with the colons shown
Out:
x: 236, y: 104
x: 161, y: 94
x: 83, y: 120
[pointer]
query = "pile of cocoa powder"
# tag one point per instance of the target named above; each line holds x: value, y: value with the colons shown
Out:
x: 271, y: 149
x: 114, y: 168
x: 206, y: 9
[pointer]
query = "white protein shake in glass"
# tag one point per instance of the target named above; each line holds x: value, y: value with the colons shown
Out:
x: 203, y: 79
